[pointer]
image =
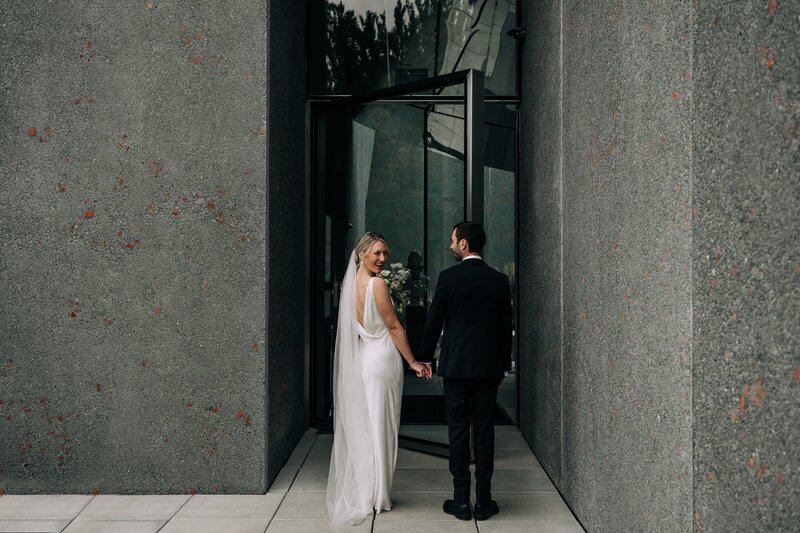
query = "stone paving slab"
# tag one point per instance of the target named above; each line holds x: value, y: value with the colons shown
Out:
x: 32, y: 526
x: 137, y: 507
x: 42, y: 506
x: 255, y: 506
x: 215, y: 525
x: 94, y: 525
x: 424, y: 526
x: 303, y: 505
x: 316, y: 526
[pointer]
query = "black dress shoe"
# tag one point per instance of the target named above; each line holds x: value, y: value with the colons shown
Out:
x: 482, y: 512
x: 462, y: 511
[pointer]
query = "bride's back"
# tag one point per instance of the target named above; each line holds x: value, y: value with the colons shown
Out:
x: 362, y: 283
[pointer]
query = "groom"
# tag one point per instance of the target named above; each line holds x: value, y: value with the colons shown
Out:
x: 473, y: 303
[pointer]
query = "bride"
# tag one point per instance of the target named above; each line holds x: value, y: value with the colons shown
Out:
x: 367, y: 388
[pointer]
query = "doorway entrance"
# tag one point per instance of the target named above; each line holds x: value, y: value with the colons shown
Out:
x: 409, y: 162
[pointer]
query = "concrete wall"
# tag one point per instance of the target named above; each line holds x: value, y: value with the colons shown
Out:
x: 746, y: 257
x: 539, y: 265
x: 134, y: 236
x: 610, y: 283
x: 653, y: 154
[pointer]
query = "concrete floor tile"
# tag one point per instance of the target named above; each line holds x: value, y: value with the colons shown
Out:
x: 91, y: 525
x: 301, y: 450
x: 32, y: 526
x: 317, y: 526
x: 303, y: 505
x: 231, y: 506
x: 412, y: 459
x: 520, y: 480
x: 311, y: 479
x: 413, y: 506
x: 533, y: 507
x: 515, y: 458
x: 42, y: 506
x: 509, y: 439
x: 284, y: 480
x: 432, y: 433
x: 422, y: 480
x: 215, y: 525
x: 324, y: 438
x: 454, y: 525
x: 319, y: 455
x: 138, y: 507
x: 492, y: 526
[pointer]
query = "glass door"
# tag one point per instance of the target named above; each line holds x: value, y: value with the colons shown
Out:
x: 406, y: 162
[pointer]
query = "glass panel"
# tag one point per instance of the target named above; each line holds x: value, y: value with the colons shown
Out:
x: 499, y: 217
x: 356, y: 52
x: 445, y: 184
x: 391, y: 180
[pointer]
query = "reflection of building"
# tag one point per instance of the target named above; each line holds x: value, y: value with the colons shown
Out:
x: 154, y: 263
x: 475, y: 39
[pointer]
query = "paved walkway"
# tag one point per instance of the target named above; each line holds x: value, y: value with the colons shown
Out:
x: 296, y: 501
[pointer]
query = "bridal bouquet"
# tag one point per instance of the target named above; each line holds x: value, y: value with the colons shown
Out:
x: 396, y: 279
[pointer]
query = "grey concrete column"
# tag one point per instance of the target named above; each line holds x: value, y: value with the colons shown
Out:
x: 132, y: 247
x: 746, y: 258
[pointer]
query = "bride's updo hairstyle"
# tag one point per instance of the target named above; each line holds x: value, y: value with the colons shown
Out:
x: 365, y: 242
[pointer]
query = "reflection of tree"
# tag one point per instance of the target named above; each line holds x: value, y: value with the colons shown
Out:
x: 355, y: 46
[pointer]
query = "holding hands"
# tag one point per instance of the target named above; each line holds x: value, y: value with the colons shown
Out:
x: 423, y: 370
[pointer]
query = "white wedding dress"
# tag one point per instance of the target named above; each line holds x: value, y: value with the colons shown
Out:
x: 367, y: 388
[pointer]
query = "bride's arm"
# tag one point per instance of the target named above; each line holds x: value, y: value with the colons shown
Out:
x: 386, y: 310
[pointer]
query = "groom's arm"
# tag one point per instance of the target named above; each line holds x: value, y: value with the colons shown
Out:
x: 434, y: 322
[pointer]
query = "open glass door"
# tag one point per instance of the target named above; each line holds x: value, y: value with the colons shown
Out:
x: 407, y: 162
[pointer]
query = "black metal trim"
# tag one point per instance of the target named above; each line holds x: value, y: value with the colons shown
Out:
x: 425, y: 196
x: 427, y: 98
x: 473, y: 147
x: 516, y: 261
x: 402, y: 90
x: 431, y: 447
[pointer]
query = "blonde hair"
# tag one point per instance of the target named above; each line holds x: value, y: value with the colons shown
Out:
x: 365, y: 242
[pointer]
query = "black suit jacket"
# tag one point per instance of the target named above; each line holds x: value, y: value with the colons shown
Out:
x: 473, y: 303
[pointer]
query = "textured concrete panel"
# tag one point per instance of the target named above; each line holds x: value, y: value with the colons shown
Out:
x: 540, y: 238
x: 746, y: 266
x: 133, y: 227
x: 626, y: 274
x: 627, y: 280
x: 286, y: 264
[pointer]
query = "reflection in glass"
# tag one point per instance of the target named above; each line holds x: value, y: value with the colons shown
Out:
x: 445, y: 151
x: 499, y: 218
x: 390, y: 188
x: 363, y: 49
x: 407, y: 179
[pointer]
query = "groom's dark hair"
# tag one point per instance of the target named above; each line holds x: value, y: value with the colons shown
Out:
x: 473, y: 233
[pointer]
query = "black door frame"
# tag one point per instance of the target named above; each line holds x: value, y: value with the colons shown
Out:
x: 474, y: 101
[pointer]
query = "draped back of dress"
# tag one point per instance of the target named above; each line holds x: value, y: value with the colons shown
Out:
x: 368, y: 385
x: 382, y: 374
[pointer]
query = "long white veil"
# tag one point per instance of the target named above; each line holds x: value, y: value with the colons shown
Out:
x: 351, y: 482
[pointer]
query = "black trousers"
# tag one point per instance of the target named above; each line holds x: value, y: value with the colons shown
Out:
x: 471, y: 401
